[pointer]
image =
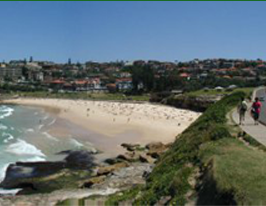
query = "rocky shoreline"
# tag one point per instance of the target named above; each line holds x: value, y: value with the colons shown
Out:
x: 78, y: 171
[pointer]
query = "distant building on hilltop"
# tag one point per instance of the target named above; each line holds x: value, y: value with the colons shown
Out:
x: 10, y: 73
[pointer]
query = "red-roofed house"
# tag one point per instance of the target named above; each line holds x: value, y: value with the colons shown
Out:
x: 124, y: 83
x: 57, y: 84
x: 185, y: 75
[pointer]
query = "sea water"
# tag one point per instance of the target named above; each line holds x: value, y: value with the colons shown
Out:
x: 24, y: 136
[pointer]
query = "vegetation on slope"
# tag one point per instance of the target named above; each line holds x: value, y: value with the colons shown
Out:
x: 211, y: 92
x: 229, y: 172
x: 207, y: 144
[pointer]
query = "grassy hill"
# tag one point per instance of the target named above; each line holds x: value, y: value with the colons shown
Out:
x: 206, y: 165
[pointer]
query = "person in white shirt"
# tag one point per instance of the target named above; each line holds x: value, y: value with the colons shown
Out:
x: 242, y: 108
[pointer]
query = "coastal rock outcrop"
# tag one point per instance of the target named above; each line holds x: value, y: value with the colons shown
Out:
x: 156, y: 149
x: 146, y: 158
x: 130, y: 147
x: 108, y: 169
x: 92, y: 181
x: 127, y: 176
x: 42, y: 176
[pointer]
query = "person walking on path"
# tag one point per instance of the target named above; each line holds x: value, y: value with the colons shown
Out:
x: 255, y: 110
x: 242, y: 108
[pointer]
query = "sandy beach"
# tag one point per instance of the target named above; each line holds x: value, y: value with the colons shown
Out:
x: 114, y: 120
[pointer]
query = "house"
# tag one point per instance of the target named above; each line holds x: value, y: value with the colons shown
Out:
x: 185, y: 75
x: 129, y: 63
x: 81, y: 85
x: 124, y: 84
x: 10, y: 73
x: 124, y: 74
x: 68, y: 86
x: 34, y: 75
x: 111, y: 87
x: 94, y: 84
x: 261, y: 67
x: 203, y: 75
x: 2, y: 65
x: 57, y: 84
x: 228, y: 64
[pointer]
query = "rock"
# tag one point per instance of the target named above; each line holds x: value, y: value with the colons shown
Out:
x: 155, y: 146
x: 156, y: 149
x: 16, y: 173
x: 80, y: 160
x: 126, y: 177
x: 126, y: 157
x: 64, y: 152
x: 130, y: 156
x: 146, y: 158
x: 130, y: 147
x: 42, y: 176
x: 112, y: 161
x: 108, y: 169
x: 92, y: 181
x: 163, y: 200
x: 25, y: 175
x: 155, y: 153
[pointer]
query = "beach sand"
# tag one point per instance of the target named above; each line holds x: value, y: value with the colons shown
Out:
x: 117, y: 122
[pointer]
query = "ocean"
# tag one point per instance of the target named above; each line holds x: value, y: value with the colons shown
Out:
x: 24, y: 136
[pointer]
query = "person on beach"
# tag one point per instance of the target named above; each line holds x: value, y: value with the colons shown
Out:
x: 242, y: 108
x: 255, y: 110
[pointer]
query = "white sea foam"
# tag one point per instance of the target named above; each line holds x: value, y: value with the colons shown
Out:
x: 76, y: 143
x: 7, y: 111
x: 30, y: 130
x: 3, y: 171
x: 41, y: 126
x: 50, y: 136
x: 7, y: 137
x: 9, y: 192
x: 46, y: 117
x: 21, y: 147
x: 52, y: 122
x: 3, y: 127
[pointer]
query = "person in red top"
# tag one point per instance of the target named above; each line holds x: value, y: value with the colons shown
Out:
x: 256, y: 108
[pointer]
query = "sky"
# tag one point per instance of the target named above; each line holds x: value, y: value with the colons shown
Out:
x: 111, y: 31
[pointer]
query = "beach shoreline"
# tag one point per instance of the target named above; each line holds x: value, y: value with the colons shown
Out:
x: 116, y: 122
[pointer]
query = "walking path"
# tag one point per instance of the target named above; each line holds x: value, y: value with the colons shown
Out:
x: 258, y: 132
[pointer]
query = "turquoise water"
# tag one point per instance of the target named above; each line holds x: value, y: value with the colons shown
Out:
x: 24, y: 136
x: 15, y: 123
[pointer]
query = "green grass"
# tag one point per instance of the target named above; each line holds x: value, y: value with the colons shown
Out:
x: 247, y: 90
x: 85, y: 95
x: 113, y: 200
x: 237, y: 169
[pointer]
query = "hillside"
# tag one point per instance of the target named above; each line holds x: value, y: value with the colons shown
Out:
x: 207, y: 165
